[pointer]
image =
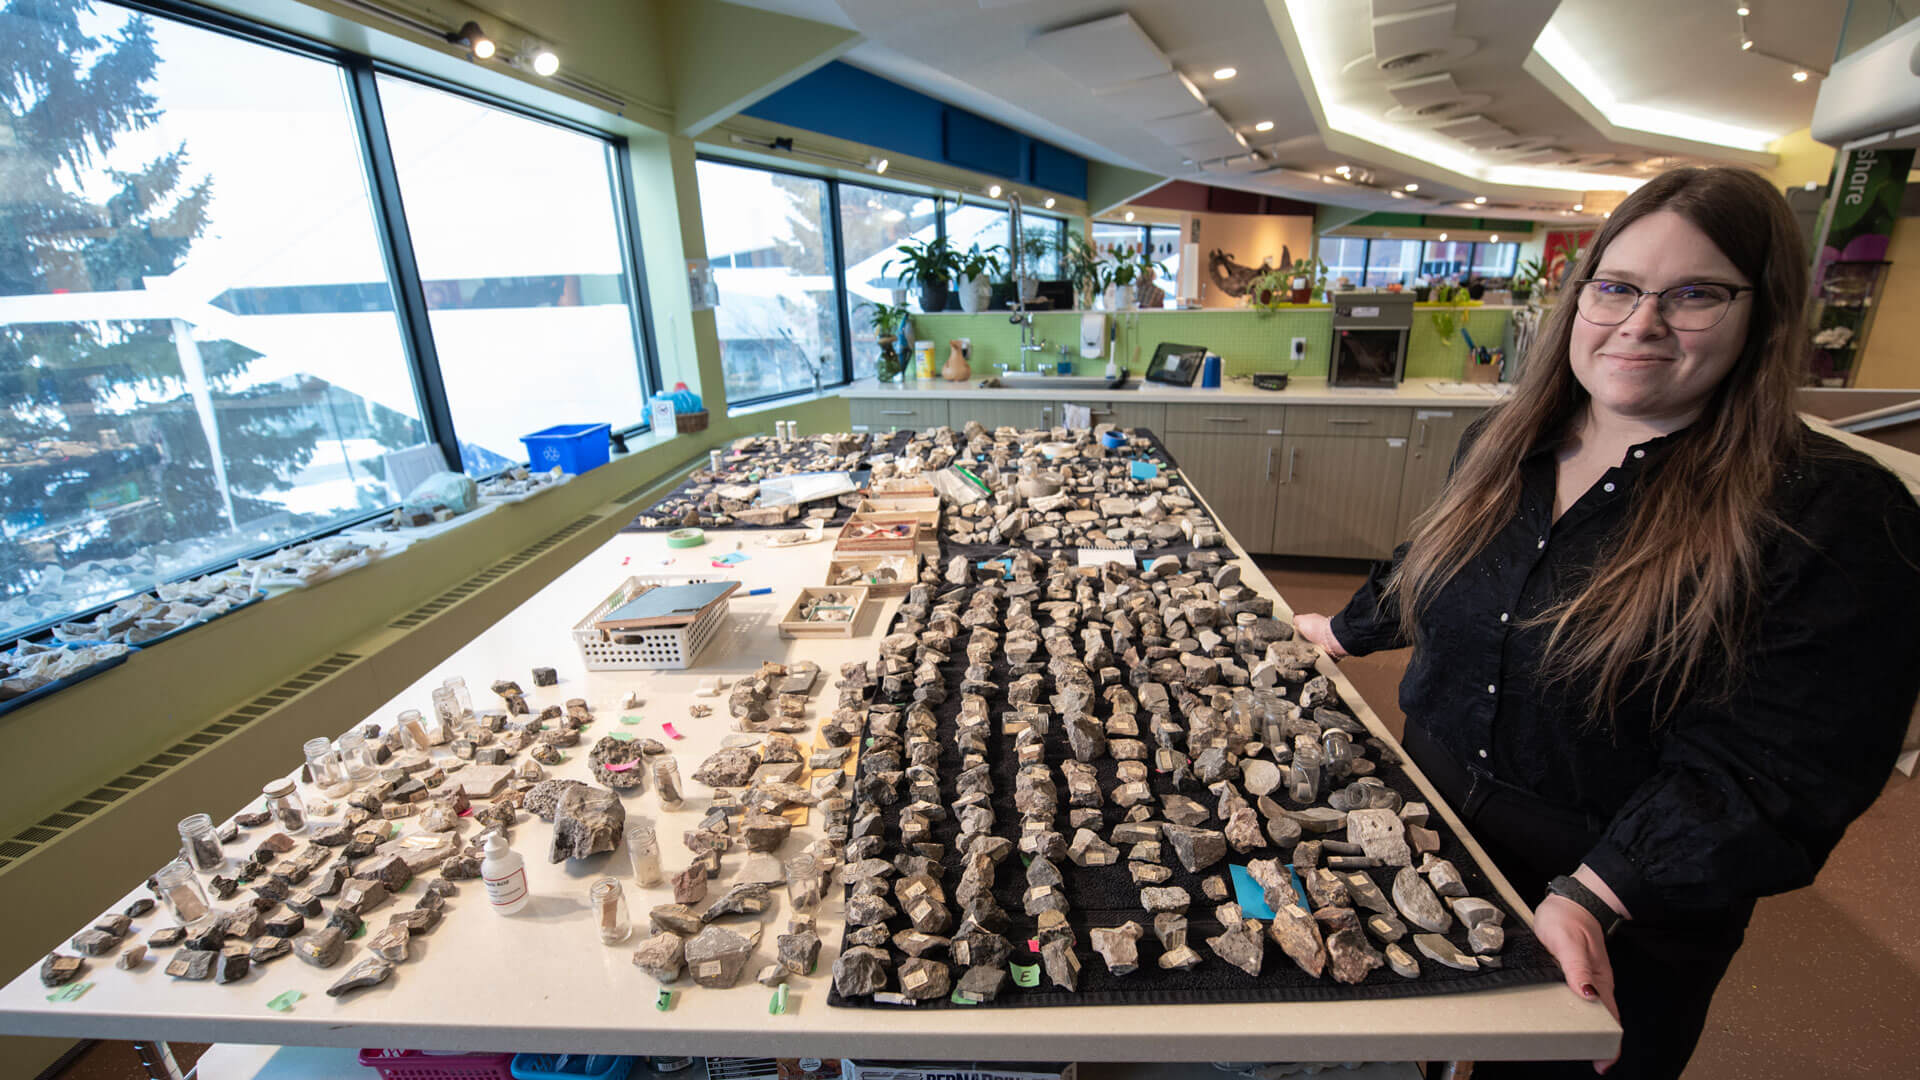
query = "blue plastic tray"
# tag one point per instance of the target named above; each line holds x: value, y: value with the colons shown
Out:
x: 571, y: 1066
x: 58, y: 685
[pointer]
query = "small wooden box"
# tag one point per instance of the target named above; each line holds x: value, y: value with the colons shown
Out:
x: 795, y: 624
x: 924, y: 507
x: 905, y: 565
x: 867, y: 534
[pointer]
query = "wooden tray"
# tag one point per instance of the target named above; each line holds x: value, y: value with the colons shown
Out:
x: 866, y: 534
x: 795, y: 625
x: 907, y: 564
x: 924, y: 507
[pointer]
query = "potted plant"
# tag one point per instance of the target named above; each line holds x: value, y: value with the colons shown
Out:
x: 1524, y: 277
x: 930, y: 263
x: 1119, y: 274
x: 1080, y: 262
x: 887, y: 321
x: 1146, y: 268
x: 975, y: 274
x: 1422, y: 290
x: 1447, y: 320
x: 1033, y: 248
x: 1270, y: 288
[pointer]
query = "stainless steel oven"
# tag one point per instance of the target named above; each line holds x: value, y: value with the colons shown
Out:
x: 1370, y: 339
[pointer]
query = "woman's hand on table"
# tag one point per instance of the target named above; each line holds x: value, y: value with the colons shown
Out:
x: 1574, y: 938
x: 1319, y: 630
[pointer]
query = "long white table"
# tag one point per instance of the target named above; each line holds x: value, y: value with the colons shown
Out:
x: 541, y: 981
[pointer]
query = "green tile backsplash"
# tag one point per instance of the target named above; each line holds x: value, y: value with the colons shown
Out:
x: 1247, y: 341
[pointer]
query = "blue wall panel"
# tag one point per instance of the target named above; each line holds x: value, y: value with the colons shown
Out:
x: 842, y: 101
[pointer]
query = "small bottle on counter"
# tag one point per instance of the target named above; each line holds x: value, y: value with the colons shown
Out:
x: 413, y: 732
x: 199, y: 845
x: 609, y: 905
x: 666, y: 782
x: 354, y: 762
x: 180, y: 890
x: 285, y: 806
x: 324, y: 768
x: 505, y: 874
x: 643, y: 847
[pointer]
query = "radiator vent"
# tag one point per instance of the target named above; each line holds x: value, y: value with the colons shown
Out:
x: 492, y: 573
x: 75, y: 813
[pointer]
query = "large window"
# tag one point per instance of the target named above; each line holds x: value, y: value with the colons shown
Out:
x: 873, y: 222
x: 199, y: 350
x: 973, y: 225
x: 770, y: 242
x: 1380, y: 262
x: 1346, y: 257
x: 212, y: 328
x: 1392, y: 262
x: 516, y: 231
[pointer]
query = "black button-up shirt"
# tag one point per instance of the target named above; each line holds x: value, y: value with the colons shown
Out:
x: 1728, y: 799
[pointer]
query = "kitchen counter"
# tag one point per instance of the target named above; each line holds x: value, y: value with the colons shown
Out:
x: 1414, y: 393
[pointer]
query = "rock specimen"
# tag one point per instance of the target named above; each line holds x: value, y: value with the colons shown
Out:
x: 717, y: 957
x: 860, y: 971
x: 58, y: 970
x: 1175, y: 953
x: 1381, y: 835
x: 1276, y: 884
x: 1418, y: 903
x: 586, y: 821
x: 924, y: 980
x: 727, y: 767
x: 1298, y: 935
x: 1402, y: 962
x: 131, y: 958
x: 799, y: 951
x: 321, y: 948
x: 1196, y: 848
x: 1118, y: 946
x: 617, y: 763
x: 662, y: 956
x: 1349, y: 956
x: 1241, y: 943
x: 371, y: 971
x: 1440, y: 950
x: 195, y: 965
x: 745, y: 898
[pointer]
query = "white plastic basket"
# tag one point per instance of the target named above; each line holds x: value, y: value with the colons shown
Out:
x: 669, y: 647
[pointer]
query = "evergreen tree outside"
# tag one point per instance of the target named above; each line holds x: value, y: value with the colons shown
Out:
x: 108, y: 480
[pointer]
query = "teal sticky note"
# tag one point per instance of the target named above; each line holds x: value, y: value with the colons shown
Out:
x: 1247, y: 893
x: 1144, y: 470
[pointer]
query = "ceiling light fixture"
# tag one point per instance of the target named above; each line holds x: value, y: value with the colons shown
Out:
x: 475, y: 39
x: 1225, y: 73
x: 1571, y: 62
x: 545, y: 62
x: 1577, y: 207
x: 878, y: 164
x: 1398, y: 194
x: 1745, y: 43
x: 993, y: 191
x: 1344, y: 170
x: 1493, y: 238
x: 1800, y: 76
x: 1129, y: 215
x: 1413, y: 187
x: 1264, y: 125
x: 1049, y: 203
x: 1743, y: 11
x: 1443, y: 238
x: 1479, y: 200
x: 1325, y: 179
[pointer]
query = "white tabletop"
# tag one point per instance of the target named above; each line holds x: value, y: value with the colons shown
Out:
x: 541, y: 981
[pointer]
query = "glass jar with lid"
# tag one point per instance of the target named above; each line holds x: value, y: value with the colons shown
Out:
x: 180, y: 889
x: 285, y: 806
x: 324, y: 768
x: 355, y: 760
x: 199, y: 845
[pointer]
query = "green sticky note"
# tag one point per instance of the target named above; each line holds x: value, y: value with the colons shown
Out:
x: 778, y: 1005
x: 360, y: 932
x: 631, y: 719
x: 622, y: 736
x: 664, y: 1001
x: 70, y: 992
x: 869, y: 743
x: 959, y: 998
x: 1025, y: 974
x: 285, y: 1002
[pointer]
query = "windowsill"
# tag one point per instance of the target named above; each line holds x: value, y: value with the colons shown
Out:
x: 785, y: 400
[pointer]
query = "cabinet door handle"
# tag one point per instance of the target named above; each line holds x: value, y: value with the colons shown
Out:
x: 1269, y: 462
x: 1099, y: 412
x: 1229, y: 419
x: 1351, y: 421
x: 1422, y: 444
x: 896, y: 412
x: 1292, y: 453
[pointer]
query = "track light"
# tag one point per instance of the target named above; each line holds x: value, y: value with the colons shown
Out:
x: 1443, y: 238
x: 545, y: 63
x: 1577, y: 207
x: 1493, y: 238
x: 993, y: 191
x: 1413, y: 187
x: 1398, y: 194
x: 1225, y: 73
x: 1745, y: 43
x: 474, y: 39
x: 1799, y: 76
x: 1049, y: 203
x: 1129, y: 215
x: 878, y: 164
x: 1264, y: 125
x: 1479, y: 200
x: 1743, y: 11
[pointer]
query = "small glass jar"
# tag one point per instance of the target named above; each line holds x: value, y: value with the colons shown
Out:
x: 285, y: 806
x: 413, y: 732
x: 463, y: 701
x: 666, y: 782
x: 609, y: 904
x: 643, y: 847
x: 324, y: 767
x: 199, y: 845
x: 354, y: 758
x: 446, y: 713
x: 180, y: 890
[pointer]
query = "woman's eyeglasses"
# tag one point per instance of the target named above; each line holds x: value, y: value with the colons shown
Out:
x: 1699, y: 306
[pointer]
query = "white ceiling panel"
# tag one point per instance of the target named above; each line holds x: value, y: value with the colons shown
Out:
x: 1191, y: 128
x: 1154, y: 99
x: 1426, y: 90
x: 1104, y: 52
x: 1472, y: 127
x: 1411, y: 31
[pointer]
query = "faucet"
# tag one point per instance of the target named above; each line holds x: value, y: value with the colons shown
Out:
x: 1029, y: 344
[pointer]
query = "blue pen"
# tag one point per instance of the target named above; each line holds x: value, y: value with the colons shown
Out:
x: 762, y: 591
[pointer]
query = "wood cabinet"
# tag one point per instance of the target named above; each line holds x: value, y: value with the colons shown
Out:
x: 881, y: 414
x: 1337, y: 495
x: 1236, y: 475
x: 1226, y: 418
x: 1351, y: 420
x: 1434, y: 437
x: 1015, y: 412
x: 1151, y: 415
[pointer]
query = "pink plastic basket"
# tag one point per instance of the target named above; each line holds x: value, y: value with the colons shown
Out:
x: 427, y: 1065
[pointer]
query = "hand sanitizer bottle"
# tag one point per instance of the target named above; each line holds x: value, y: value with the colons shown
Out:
x: 505, y: 875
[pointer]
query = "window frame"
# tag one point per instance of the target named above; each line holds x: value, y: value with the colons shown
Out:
x: 358, y: 72
x: 1473, y: 252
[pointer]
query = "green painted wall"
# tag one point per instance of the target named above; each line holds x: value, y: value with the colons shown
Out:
x: 1247, y: 341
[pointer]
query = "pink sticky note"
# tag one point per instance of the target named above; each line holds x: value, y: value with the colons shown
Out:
x: 621, y: 767
x: 625, y: 559
x: 671, y: 733
x: 1033, y: 943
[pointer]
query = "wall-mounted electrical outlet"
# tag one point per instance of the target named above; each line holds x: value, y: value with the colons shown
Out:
x: 1299, y: 348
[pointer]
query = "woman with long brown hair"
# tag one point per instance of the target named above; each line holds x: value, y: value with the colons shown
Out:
x: 1662, y: 631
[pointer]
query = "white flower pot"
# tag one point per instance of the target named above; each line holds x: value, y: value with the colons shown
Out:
x: 975, y: 293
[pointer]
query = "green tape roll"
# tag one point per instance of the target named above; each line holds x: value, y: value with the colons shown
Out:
x: 686, y: 538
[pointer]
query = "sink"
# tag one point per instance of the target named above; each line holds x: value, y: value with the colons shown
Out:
x: 1030, y: 381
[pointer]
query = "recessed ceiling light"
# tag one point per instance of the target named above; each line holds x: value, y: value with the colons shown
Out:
x: 1799, y: 76
x: 1479, y: 200
x: 1264, y: 125
x: 1129, y: 215
x: 1225, y: 73
x: 1493, y: 238
x: 1577, y: 207
x: 1443, y: 238
x: 1606, y: 213
x: 1398, y: 194
x: 1344, y: 170
x: 993, y: 191
x: 1049, y: 203
x: 1413, y: 187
